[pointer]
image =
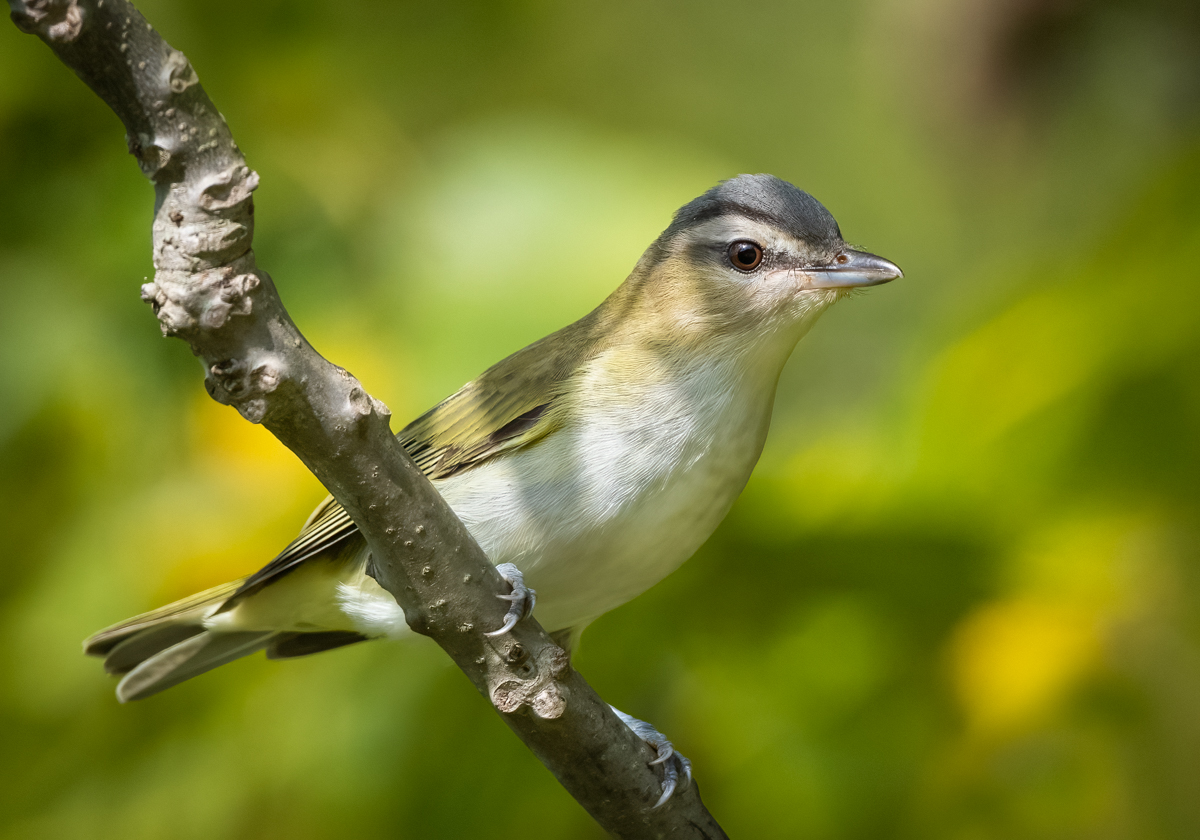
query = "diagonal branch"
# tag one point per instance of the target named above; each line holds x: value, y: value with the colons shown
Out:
x: 208, y: 291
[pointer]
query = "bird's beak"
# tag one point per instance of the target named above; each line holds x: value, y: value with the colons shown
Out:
x: 852, y: 270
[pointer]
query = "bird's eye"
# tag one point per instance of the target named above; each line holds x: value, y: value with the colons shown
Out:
x: 842, y: 259
x: 745, y: 255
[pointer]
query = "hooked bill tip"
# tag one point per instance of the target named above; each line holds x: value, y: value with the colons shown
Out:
x: 854, y: 270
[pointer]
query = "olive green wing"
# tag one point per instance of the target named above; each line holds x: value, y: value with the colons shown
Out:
x: 513, y: 404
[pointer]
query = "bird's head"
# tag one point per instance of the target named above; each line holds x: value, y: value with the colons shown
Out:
x: 753, y: 257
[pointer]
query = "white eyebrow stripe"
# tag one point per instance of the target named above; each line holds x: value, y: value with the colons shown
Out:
x: 730, y: 228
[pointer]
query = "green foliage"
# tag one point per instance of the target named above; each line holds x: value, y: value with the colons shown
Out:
x: 959, y: 599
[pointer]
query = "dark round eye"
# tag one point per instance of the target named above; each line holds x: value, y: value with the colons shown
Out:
x: 745, y: 255
x: 842, y: 259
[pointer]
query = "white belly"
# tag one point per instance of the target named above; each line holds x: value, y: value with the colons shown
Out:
x: 602, y: 509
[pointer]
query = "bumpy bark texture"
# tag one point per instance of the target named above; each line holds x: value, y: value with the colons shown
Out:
x: 208, y: 291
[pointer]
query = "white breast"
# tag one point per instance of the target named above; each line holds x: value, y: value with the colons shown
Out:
x: 608, y: 505
x: 613, y: 501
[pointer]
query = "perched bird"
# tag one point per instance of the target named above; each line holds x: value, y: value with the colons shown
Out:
x: 592, y: 462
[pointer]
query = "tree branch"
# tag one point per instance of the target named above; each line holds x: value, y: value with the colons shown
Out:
x: 208, y: 291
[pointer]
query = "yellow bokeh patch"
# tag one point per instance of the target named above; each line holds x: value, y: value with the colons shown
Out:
x: 1013, y: 661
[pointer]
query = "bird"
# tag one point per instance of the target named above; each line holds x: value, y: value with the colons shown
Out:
x: 588, y: 466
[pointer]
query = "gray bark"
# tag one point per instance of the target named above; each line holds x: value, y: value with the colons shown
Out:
x: 208, y: 291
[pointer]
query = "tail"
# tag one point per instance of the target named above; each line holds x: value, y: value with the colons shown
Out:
x: 162, y: 648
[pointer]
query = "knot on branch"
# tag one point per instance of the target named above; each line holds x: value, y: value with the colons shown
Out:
x: 58, y: 21
x: 238, y: 383
x: 210, y: 224
x: 188, y: 303
x: 151, y: 157
x: 177, y: 72
x: 363, y: 406
x: 539, y: 687
x: 223, y: 191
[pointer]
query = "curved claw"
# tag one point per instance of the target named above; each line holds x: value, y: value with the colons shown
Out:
x: 671, y: 773
x: 510, y: 621
x: 671, y: 761
x: 668, y: 789
x: 522, y: 598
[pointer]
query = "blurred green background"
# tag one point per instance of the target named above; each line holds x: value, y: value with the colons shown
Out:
x: 960, y: 597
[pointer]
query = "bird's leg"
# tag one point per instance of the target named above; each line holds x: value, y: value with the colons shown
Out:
x: 673, y: 763
x: 522, y: 598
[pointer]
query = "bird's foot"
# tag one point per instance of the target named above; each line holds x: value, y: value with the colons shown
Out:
x: 673, y: 763
x: 522, y: 598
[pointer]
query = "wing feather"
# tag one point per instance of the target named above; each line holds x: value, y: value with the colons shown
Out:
x: 513, y: 404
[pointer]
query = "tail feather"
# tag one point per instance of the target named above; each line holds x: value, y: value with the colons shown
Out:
x: 162, y: 648
x: 291, y: 645
x: 136, y: 649
x: 166, y: 646
x: 189, y: 658
x: 191, y: 611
